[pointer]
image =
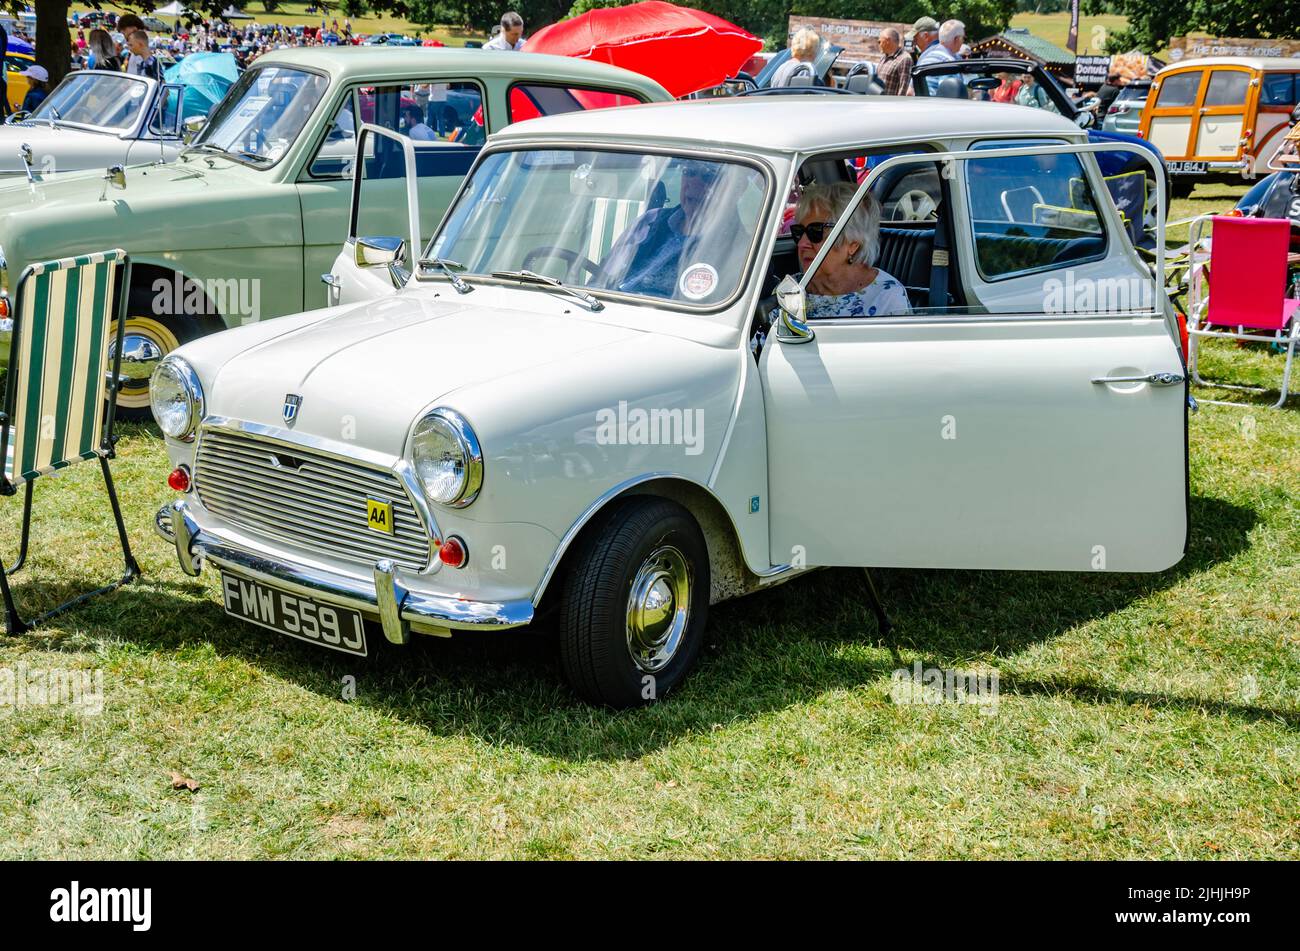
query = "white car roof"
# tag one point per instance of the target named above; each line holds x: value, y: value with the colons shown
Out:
x: 798, y: 123
x: 1264, y: 63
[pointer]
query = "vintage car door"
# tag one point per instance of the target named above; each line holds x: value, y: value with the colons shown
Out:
x: 447, y: 113
x: 964, y: 437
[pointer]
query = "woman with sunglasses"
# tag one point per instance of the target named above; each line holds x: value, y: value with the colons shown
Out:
x: 846, y: 284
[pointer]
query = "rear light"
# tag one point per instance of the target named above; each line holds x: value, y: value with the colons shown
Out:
x: 453, y: 552
x: 1235, y: 213
x: 4, y: 307
x: 179, y: 478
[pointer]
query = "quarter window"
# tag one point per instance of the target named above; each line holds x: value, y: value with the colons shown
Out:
x: 531, y: 101
x: 1279, y: 89
x: 1178, y: 90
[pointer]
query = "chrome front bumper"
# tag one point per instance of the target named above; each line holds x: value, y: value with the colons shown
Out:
x: 389, y: 597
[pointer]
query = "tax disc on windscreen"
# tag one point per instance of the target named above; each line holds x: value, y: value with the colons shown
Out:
x: 698, y: 281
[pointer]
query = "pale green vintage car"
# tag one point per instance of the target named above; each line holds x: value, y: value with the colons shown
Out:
x: 244, y: 224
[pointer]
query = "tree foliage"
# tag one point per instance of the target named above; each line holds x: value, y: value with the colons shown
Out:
x: 1152, y: 25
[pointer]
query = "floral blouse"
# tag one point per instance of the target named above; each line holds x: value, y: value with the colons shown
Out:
x: 883, y: 297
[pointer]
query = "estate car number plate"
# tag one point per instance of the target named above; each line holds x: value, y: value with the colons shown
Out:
x: 1187, y: 168
x: 323, y: 624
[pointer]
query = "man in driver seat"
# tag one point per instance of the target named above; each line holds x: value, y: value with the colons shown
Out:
x: 669, y: 246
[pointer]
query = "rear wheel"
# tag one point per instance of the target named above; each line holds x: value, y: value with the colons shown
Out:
x: 1182, y: 188
x: 635, y: 604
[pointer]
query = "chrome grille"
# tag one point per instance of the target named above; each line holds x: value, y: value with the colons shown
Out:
x: 297, y: 494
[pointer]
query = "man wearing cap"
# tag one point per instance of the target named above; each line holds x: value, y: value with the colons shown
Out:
x: 925, y: 33
x: 951, y: 36
x: 37, y: 77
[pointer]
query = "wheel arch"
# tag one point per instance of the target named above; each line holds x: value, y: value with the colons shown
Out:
x: 729, y: 575
x: 145, y: 276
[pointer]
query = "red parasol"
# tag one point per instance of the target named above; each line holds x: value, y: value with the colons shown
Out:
x: 683, y: 50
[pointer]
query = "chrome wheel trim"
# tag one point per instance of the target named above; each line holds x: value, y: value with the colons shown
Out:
x: 141, y: 355
x: 658, y: 608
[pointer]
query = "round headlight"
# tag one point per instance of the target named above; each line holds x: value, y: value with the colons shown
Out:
x: 176, y: 398
x: 447, y: 458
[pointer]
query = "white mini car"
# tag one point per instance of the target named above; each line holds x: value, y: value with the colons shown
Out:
x: 582, y: 396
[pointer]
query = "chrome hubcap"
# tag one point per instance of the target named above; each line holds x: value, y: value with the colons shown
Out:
x: 658, y: 608
x: 140, y: 355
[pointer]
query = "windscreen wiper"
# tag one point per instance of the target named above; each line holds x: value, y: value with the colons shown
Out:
x: 532, y: 277
x: 448, y: 268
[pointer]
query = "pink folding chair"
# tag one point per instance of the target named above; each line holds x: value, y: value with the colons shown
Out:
x: 1248, y: 268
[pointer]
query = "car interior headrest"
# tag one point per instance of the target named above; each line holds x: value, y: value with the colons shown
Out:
x: 952, y: 87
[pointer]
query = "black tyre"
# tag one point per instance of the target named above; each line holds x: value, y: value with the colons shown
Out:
x: 635, y: 604
x: 1182, y: 188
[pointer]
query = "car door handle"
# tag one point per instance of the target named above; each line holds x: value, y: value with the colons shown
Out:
x: 1155, y: 379
x: 331, y: 280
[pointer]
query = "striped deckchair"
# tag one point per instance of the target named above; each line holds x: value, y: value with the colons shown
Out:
x: 58, y: 386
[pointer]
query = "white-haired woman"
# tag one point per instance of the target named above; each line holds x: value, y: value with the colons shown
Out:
x: 847, y: 283
x: 803, y: 54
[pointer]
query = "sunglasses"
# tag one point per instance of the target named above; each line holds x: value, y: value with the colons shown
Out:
x: 816, y: 231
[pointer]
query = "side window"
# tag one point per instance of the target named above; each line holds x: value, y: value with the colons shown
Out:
x: 444, y: 119
x: 1279, y: 89
x: 533, y: 100
x: 1178, y: 90
x: 1227, y: 87
x: 1032, y: 213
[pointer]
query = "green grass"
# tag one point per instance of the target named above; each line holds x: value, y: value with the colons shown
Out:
x: 1140, y: 715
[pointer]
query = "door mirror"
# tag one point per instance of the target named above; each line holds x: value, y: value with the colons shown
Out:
x: 1085, y: 120
x: 792, y: 302
x: 192, y: 127
x: 380, y: 252
x: 116, y: 176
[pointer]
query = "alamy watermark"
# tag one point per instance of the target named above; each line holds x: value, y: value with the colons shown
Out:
x: 635, y: 426
x: 934, y: 685
x: 80, y: 690
x: 233, y: 298
x: 1097, y: 295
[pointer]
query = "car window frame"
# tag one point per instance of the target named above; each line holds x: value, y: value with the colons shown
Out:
x: 350, y: 91
x: 1158, y: 312
x: 762, y: 225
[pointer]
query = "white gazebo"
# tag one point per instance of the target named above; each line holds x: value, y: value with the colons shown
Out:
x: 173, y: 9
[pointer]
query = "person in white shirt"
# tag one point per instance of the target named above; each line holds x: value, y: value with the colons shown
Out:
x: 952, y: 34
x: 511, y: 36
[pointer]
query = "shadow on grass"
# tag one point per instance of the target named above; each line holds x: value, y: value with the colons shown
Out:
x: 769, y: 651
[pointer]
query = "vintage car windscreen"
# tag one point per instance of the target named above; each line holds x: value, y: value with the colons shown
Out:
x: 94, y: 99
x: 263, y: 114
x: 669, y: 227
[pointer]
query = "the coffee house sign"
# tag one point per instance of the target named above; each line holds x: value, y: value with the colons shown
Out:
x: 1193, y: 47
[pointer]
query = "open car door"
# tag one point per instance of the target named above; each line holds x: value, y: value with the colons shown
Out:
x: 1002, y: 434
x: 374, y: 261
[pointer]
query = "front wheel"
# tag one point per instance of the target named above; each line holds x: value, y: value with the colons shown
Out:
x: 147, y: 340
x: 635, y: 604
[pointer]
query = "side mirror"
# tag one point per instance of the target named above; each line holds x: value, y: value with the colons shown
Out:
x: 192, y: 127
x: 1085, y: 120
x: 116, y: 176
x: 379, y: 252
x: 792, y: 302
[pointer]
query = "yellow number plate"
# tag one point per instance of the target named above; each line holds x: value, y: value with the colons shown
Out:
x: 379, y: 516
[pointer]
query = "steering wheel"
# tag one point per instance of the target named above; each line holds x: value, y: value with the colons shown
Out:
x: 574, y: 259
x: 915, y: 205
